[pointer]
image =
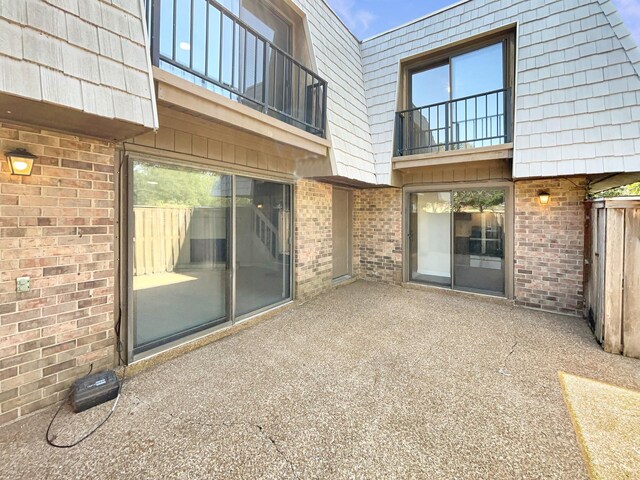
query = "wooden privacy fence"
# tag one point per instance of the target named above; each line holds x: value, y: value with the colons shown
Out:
x: 167, y: 239
x: 612, y: 273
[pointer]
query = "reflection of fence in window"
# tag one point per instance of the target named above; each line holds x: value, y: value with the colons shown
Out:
x: 207, y: 44
x: 168, y: 239
x: 476, y: 121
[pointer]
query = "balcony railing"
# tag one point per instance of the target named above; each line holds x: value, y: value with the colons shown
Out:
x: 207, y: 44
x: 476, y: 121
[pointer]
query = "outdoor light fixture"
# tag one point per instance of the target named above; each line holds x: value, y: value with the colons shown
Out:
x: 20, y: 161
x: 544, y: 197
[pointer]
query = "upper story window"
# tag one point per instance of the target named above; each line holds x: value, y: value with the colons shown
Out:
x: 242, y: 49
x: 267, y: 22
x: 457, y: 100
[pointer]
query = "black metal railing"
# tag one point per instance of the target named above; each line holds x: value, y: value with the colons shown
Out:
x: 476, y: 121
x: 209, y: 45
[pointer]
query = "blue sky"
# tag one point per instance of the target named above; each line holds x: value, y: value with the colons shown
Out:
x: 369, y: 17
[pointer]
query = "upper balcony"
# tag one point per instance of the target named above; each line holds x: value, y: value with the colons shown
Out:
x: 242, y: 50
x: 470, y: 122
x: 458, y: 107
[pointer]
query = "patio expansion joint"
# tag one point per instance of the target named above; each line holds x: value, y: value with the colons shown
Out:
x: 277, y: 448
x: 503, y: 369
x: 225, y: 423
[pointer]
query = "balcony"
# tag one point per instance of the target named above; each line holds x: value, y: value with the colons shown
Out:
x: 210, y: 46
x: 472, y: 122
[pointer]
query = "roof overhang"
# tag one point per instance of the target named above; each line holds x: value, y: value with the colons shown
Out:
x: 600, y: 183
x: 27, y: 111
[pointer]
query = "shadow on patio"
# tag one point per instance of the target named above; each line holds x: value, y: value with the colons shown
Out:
x: 369, y: 380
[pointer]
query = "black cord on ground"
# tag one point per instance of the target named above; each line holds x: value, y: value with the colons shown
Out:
x: 95, y: 429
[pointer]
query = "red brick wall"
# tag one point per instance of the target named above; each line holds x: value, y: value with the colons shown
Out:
x: 378, y: 234
x: 549, y: 245
x: 57, y: 227
x: 313, y: 238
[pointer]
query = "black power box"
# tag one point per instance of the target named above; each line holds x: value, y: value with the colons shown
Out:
x: 93, y: 390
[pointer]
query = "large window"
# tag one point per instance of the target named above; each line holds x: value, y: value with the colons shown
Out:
x: 457, y: 101
x: 185, y: 225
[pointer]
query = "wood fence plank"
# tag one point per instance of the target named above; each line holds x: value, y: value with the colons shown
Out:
x: 631, y: 297
x: 598, y: 265
x: 613, y: 275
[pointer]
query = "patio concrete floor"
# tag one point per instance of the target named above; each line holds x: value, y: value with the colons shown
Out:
x: 368, y: 381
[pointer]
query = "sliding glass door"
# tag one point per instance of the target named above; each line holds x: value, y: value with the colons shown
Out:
x: 182, y: 237
x: 180, y: 252
x: 479, y: 246
x: 263, y: 265
x: 457, y: 239
x: 430, y: 237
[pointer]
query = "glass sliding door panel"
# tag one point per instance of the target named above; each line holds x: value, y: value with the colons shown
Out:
x: 429, y: 86
x: 263, y: 246
x: 477, y: 72
x: 478, y: 121
x: 479, y: 242
x: 180, y: 238
x: 427, y: 127
x: 430, y: 237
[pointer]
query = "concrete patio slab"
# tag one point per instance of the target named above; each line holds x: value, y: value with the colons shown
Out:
x: 368, y: 381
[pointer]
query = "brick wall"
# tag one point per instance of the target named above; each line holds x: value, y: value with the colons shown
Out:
x: 549, y: 245
x: 378, y: 234
x: 313, y: 238
x: 57, y: 227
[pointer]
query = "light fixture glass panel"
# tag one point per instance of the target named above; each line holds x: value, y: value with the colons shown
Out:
x: 20, y: 162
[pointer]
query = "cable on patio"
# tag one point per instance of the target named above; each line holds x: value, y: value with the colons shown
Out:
x: 95, y: 429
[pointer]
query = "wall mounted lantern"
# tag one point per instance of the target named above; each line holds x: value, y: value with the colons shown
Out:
x: 544, y: 198
x: 20, y: 162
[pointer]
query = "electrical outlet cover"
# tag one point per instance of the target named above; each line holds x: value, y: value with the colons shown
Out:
x: 23, y: 284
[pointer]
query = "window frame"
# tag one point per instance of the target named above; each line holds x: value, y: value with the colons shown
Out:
x: 124, y: 250
x: 443, y: 57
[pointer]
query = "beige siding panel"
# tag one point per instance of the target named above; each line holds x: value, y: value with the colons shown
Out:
x: 228, y: 153
x: 199, y: 146
x: 165, y: 139
x: 241, y: 156
x: 183, y: 142
x: 214, y: 149
x: 193, y: 142
x: 460, y: 172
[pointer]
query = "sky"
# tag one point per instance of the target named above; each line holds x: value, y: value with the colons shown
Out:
x: 366, y: 18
